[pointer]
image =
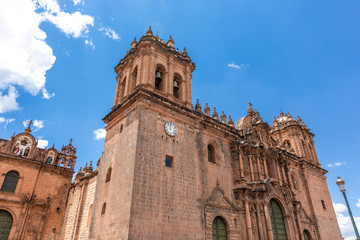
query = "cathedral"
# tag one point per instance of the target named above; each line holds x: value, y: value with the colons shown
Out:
x: 170, y: 170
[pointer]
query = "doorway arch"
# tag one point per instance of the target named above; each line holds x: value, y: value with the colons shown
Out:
x: 6, y: 221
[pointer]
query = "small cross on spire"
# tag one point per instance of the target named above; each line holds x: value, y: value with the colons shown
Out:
x: 250, y: 104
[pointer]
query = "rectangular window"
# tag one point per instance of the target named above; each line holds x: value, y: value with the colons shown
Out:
x: 169, y: 161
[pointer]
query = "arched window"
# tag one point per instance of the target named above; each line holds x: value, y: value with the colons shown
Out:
x: 108, y: 175
x: 103, y: 209
x: 89, y: 215
x: 6, y: 221
x: 306, y: 235
x: 277, y: 221
x: 211, y: 153
x: 219, y: 229
x: 10, y: 182
x: 69, y: 164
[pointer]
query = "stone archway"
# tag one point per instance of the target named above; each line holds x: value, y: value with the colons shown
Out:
x: 6, y: 221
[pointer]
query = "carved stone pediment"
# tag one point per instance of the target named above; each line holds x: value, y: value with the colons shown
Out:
x: 219, y: 200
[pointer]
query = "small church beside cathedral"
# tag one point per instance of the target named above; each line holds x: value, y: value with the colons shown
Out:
x: 169, y: 170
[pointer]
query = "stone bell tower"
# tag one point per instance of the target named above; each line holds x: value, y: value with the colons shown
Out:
x: 294, y: 136
x: 157, y: 66
x: 153, y: 86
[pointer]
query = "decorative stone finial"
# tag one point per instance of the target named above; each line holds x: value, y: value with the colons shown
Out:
x: 281, y: 113
x: 170, y: 42
x: 215, y: 115
x: 198, y: 106
x: 184, y: 53
x: 250, y: 110
x: 80, y: 169
x: 207, y: 110
x: 71, y: 141
x: 133, y: 44
x: 230, y: 122
x: 275, y: 122
x: 149, y: 32
x: 90, y: 163
x: 223, y: 117
x: 299, y: 120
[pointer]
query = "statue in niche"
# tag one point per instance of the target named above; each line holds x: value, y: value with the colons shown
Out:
x: 16, y: 149
x: 49, y: 160
x: 26, y: 152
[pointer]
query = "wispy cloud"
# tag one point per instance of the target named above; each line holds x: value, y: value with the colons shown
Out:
x: 336, y: 164
x: 239, y: 67
x: 6, y: 121
x: 38, y: 124
x: 90, y: 43
x: 358, y: 203
x: 99, y: 134
x: 107, y: 31
x: 46, y: 94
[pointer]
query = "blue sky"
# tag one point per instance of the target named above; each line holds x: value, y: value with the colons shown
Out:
x: 302, y: 57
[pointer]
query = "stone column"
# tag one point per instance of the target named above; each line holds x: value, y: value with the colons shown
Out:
x: 261, y: 233
x: 299, y: 223
x: 268, y: 223
x: 248, y: 220
x: 258, y: 166
x: 251, y: 168
x: 241, y: 164
x: 265, y: 168
x: 277, y: 166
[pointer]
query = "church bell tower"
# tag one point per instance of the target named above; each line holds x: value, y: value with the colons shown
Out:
x: 157, y: 66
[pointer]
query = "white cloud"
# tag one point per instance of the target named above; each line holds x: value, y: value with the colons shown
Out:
x: 46, y: 94
x: 336, y: 164
x: 99, y: 133
x: 107, y: 31
x: 345, y: 224
x: 8, y: 101
x: 339, y: 207
x: 42, y: 143
x: 25, y: 56
x: 346, y: 227
x: 76, y: 2
x: 38, y: 124
x: 6, y: 121
x: 90, y: 43
x: 358, y: 203
x: 238, y: 67
x: 75, y: 24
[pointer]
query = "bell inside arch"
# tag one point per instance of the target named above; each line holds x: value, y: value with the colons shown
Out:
x: 176, y: 85
x: 158, y: 79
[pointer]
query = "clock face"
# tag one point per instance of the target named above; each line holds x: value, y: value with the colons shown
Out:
x: 171, y: 129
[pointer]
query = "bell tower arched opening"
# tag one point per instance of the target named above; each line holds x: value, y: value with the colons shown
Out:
x: 160, y: 78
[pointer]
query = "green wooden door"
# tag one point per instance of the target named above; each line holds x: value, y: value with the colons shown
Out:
x: 5, y: 224
x: 219, y: 229
x: 277, y: 221
x: 306, y: 235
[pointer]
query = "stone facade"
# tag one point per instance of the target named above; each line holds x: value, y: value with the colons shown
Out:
x: 34, y: 185
x: 80, y: 204
x: 210, y: 178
